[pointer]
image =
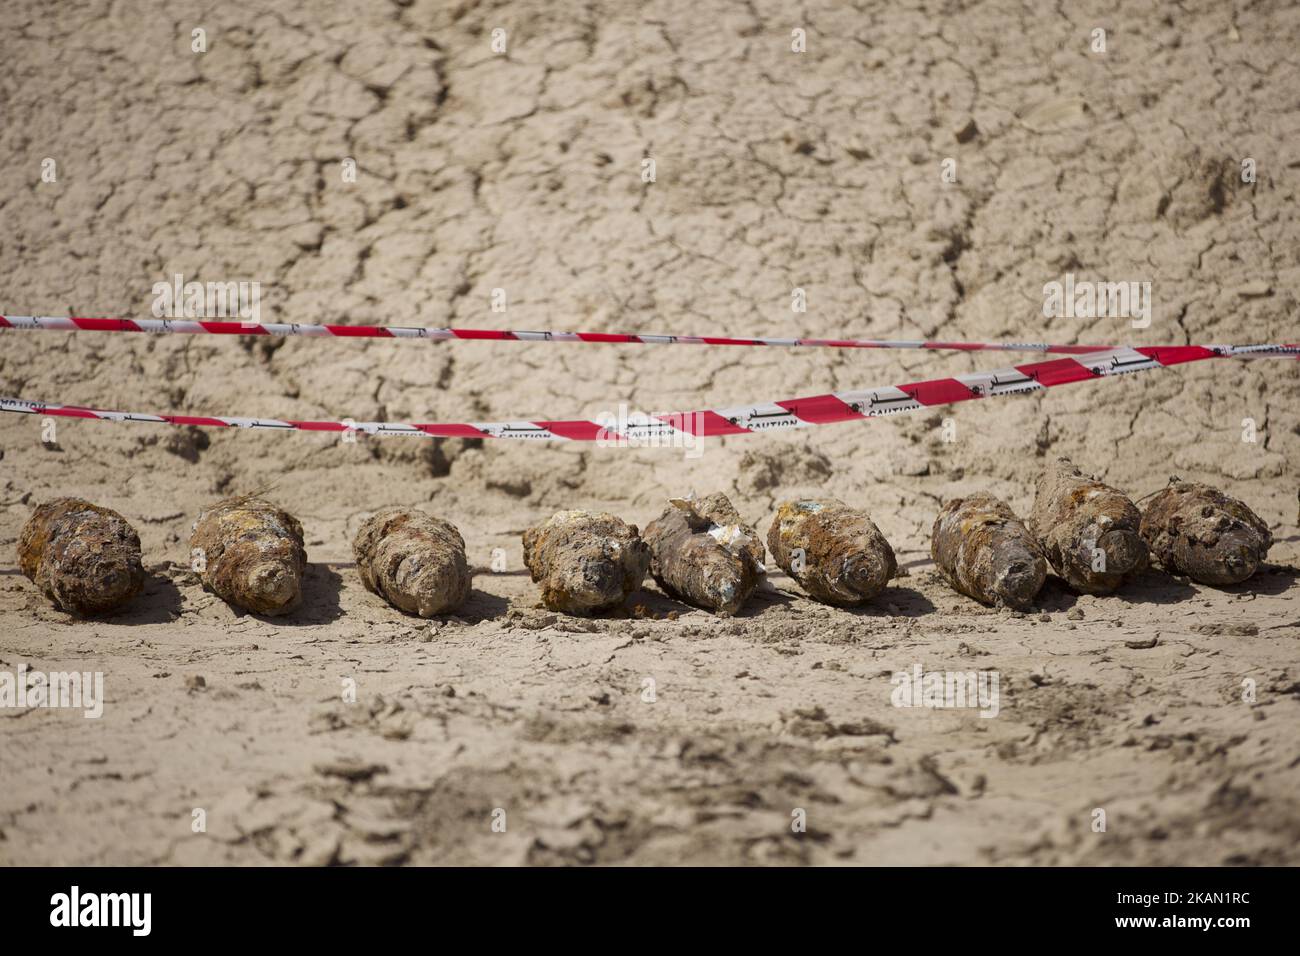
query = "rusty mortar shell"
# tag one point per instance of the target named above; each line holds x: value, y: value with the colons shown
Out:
x: 835, y: 553
x: 985, y: 552
x: 250, y: 554
x: 1089, y: 531
x: 701, y: 552
x: 413, y: 560
x: 1197, y: 530
x: 84, y: 558
x: 586, y: 562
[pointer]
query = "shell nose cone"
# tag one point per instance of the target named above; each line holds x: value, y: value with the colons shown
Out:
x: 1124, y: 549
x: 1020, y: 581
x: 864, y: 576
x: 116, y: 578
x: 1240, y: 557
x: 273, y: 585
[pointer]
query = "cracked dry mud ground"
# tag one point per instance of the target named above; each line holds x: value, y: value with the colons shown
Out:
x: 775, y: 170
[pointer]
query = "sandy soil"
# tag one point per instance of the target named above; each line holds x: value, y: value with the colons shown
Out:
x: 523, y: 172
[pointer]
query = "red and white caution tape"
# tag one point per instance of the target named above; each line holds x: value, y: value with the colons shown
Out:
x: 59, y: 323
x: 224, y: 327
x: 741, y: 419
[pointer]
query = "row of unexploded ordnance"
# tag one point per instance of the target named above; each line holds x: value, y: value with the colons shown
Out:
x: 1094, y: 538
x: 701, y: 552
x: 86, y: 559
x: 250, y: 553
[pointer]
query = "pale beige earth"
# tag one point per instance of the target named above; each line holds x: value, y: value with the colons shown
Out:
x: 774, y: 170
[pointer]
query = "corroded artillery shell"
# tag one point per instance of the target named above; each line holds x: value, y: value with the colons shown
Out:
x: 836, y: 553
x: 984, y: 551
x: 250, y: 553
x: 704, y: 554
x: 1197, y: 530
x: 1088, y: 530
x: 416, y: 562
x: 86, y: 559
x: 586, y: 562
